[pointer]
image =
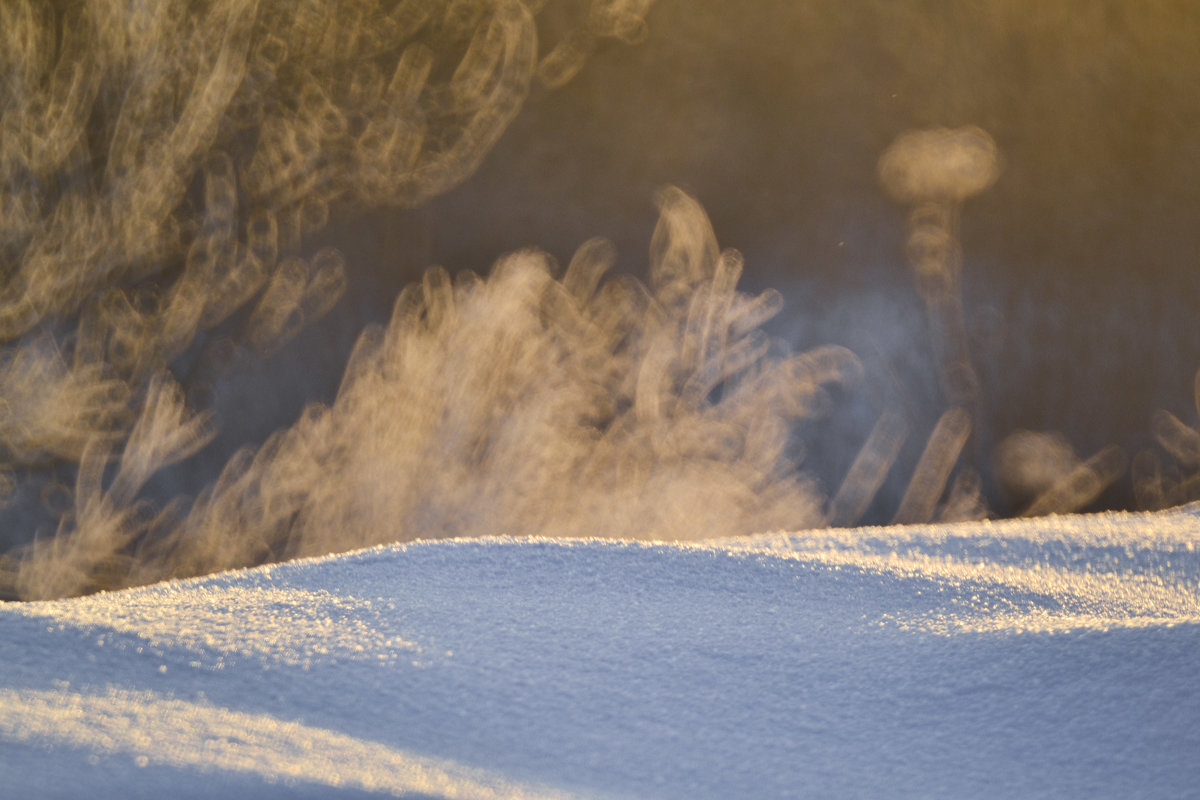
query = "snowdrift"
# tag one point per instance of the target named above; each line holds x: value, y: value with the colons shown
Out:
x: 1046, y: 657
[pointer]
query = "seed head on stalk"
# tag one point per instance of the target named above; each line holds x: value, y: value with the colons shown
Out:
x: 933, y: 171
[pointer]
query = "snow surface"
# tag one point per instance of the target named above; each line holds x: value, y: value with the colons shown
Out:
x: 1040, y: 658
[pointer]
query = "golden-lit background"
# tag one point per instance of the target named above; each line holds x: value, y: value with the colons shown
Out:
x: 1081, y: 263
x: 207, y: 207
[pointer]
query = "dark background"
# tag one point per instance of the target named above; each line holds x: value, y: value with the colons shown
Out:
x: 1079, y: 263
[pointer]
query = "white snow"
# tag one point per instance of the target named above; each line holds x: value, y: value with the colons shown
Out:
x: 1040, y: 658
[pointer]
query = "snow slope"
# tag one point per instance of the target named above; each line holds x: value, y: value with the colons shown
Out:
x: 1040, y: 658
